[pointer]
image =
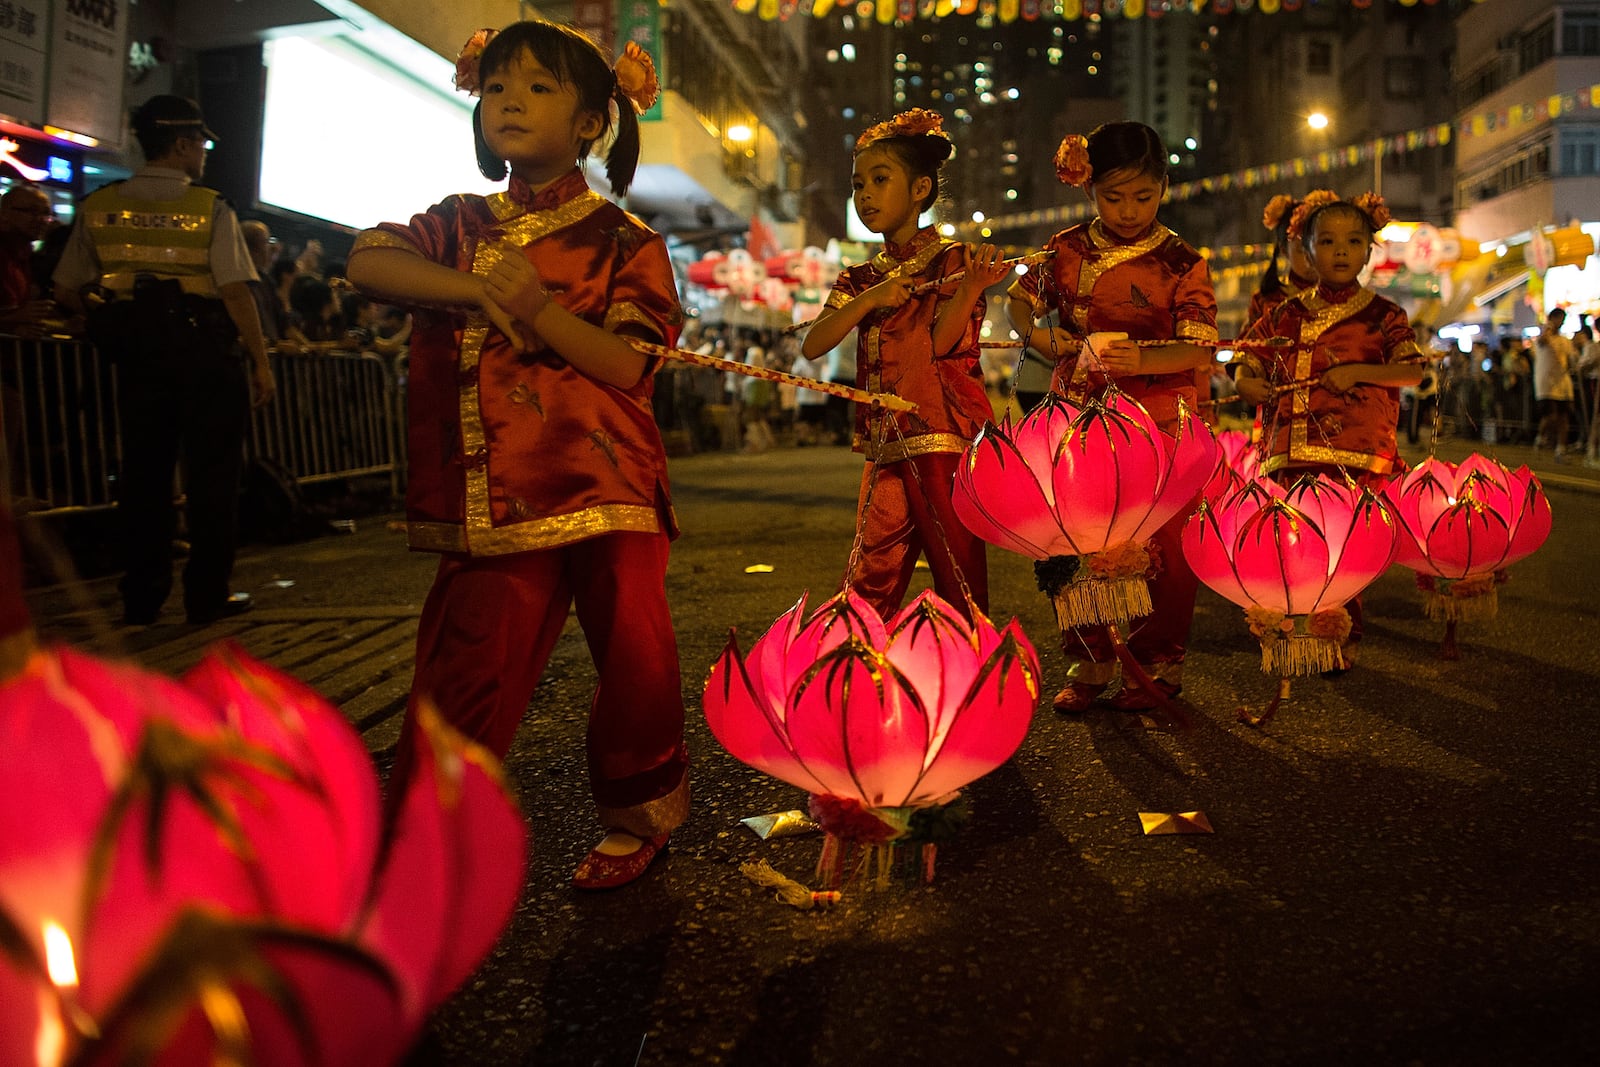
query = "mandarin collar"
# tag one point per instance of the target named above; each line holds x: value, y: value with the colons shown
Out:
x: 919, y: 240
x: 555, y: 194
x: 1339, y: 295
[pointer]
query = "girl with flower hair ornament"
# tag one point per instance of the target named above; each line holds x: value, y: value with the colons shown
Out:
x: 1274, y: 287
x: 1123, y: 273
x: 1350, y: 350
x: 919, y: 333
x: 537, y: 470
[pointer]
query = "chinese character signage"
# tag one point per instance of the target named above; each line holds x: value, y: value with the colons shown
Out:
x: 24, y: 31
x: 88, y: 54
x: 639, y: 21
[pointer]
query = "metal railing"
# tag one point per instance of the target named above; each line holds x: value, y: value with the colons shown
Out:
x: 337, y: 415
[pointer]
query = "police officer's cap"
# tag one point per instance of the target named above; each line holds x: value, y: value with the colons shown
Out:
x: 170, y: 112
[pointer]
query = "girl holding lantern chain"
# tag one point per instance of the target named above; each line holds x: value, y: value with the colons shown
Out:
x: 537, y: 470
x: 1353, y: 348
x: 918, y: 339
x: 1125, y: 274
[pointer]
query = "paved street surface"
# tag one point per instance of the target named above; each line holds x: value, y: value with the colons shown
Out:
x: 1404, y: 867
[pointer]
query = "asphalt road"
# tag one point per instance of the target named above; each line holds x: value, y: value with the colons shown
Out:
x: 1403, y: 869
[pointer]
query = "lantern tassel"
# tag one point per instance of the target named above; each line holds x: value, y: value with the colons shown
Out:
x: 1299, y: 655
x: 1132, y: 671
x: 1452, y: 608
x: 788, y: 891
x: 1092, y: 600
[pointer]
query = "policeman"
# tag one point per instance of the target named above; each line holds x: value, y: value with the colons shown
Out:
x: 160, y: 268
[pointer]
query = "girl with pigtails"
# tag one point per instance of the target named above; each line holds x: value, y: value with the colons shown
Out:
x: 537, y: 471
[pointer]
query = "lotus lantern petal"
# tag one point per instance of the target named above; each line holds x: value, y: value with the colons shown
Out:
x: 220, y: 840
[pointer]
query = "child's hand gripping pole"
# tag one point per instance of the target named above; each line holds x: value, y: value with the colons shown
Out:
x: 926, y: 287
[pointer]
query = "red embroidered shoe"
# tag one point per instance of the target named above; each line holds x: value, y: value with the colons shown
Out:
x: 1132, y: 697
x: 600, y: 870
x: 1076, y: 697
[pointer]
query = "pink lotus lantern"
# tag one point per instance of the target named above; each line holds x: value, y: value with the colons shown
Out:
x: 1463, y: 526
x: 882, y: 723
x: 1241, y: 463
x: 1292, y: 558
x: 196, y: 872
x: 1082, y: 490
x: 1093, y: 482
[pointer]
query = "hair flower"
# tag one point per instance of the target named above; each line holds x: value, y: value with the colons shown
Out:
x: 1375, y: 209
x: 1315, y: 199
x: 636, y: 77
x: 1278, y: 209
x: 1072, y: 160
x: 918, y: 122
x: 467, y: 60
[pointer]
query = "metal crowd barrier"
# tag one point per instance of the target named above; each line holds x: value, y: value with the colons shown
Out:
x: 336, y: 415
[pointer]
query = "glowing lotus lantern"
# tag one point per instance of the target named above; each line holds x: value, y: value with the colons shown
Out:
x: 1292, y: 558
x: 1463, y: 526
x: 196, y: 872
x: 1093, y: 482
x: 883, y: 723
x: 1241, y: 462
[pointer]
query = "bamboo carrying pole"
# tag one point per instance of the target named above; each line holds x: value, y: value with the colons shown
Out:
x: 682, y: 355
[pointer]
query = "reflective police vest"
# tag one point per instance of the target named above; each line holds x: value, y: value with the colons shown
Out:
x: 166, y: 238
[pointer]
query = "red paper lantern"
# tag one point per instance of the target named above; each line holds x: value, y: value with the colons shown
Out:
x: 876, y: 720
x: 187, y: 868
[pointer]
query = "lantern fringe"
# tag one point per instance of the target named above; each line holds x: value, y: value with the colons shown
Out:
x: 878, y: 865
x: 1475, y: 598
x: 1299, y: 654
x: 1087, y: 601
x: 788, y: 891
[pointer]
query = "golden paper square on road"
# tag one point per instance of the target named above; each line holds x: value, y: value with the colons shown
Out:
x: 1165, y: 822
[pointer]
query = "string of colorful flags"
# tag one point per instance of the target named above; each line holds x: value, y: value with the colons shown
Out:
x: 888, y: 12
x: 1474, y: 125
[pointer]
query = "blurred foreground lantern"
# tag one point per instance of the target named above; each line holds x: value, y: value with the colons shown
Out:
x: 1292, y: 558
x: 197, y: 872
x: 882, y: 723
x: 1463, y: 526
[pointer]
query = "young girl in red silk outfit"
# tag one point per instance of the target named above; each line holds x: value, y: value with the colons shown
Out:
x: 536, y: 467
x: 921, y: 345
x: 1348, y: 344
x: 1127, y: 273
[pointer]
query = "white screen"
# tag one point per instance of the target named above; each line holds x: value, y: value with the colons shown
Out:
x: 350, y: 139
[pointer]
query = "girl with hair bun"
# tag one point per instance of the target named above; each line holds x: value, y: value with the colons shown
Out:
x: 919, y: 332
x: 1126, y: 274
x: 537, y: 470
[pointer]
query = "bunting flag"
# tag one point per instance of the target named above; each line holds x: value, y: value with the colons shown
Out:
x: 896, y: 12
x: 1479, y: 124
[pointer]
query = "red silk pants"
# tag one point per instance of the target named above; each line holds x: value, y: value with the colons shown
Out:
x: 486, y: 634
x: 899, y: 524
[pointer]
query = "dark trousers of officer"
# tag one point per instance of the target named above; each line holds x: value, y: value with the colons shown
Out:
x: 181, y: 396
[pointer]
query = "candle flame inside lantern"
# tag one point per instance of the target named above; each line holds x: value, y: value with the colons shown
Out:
x: 58, y: 956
